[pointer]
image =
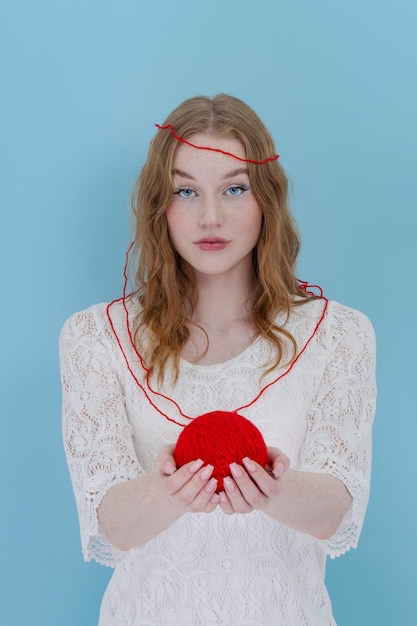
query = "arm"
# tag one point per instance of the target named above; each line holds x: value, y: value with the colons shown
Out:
x: 329, y: 489
x: 134, y: 512
x: 119, y: 505
x: 309, y: 502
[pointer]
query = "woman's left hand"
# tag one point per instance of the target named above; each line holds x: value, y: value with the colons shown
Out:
x: 251, y: 486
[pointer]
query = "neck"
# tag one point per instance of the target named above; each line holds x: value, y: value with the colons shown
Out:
x: 222, y: 302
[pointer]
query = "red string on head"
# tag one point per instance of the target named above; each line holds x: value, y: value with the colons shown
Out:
x: 193, y: 145
x: 148, y: 390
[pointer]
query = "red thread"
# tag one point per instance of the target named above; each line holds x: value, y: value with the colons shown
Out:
x: 128, y: 366
x: 303, y: 285
x: 307, y: 288
x: 287, y: 371
x: 193, y: 145
x: 131, y: 340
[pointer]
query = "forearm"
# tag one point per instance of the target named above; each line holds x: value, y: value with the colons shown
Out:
x: 131, y: 513
x: 136, y: 511
x: 310, y: 502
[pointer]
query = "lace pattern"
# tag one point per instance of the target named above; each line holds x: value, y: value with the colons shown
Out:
x: 218, y: 569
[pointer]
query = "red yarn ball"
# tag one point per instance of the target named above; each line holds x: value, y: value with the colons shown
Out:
x: 220, y: 438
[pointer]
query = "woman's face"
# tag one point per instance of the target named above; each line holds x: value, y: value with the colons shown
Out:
x: 213, y: 219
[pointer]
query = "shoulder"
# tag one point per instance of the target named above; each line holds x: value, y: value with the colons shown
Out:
x: 343, y: 320
x: 92, y: 323
x: 347, y: 337
x: 335, y: 314
x: 86, y: 322
x: 100, y: 323
x: 334, y: 323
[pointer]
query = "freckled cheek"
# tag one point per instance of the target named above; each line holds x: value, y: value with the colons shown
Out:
x: 257, y: 225
x: 175, y: 222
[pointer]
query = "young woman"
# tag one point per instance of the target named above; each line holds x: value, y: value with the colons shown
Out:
x: 217, y: 321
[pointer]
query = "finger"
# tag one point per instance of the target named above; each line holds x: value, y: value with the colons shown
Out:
x: 278, y: 462
x: 197, y: 481
x: 251, y: 483
x: 262, y: 481
x: 225, y: 504
x: 175, y: 481
x: 166, y: 461
x: 236, y: 498
x: 278, y: 469
x: 206, y: 499
x: 213, y: 503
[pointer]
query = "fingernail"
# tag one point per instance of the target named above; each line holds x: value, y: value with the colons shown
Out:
x: 223, y: 496
x: 278, y: 470
x: 236, y: 471
x: 169, y: 468
x: 207, y: 472
x: 250, y: 465
x: 211, y: 485
x: 196, y: 466
x: 229, y: 483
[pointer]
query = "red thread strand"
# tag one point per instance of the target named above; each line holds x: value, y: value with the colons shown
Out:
x: 287, y: 371
x: 303, y: 285
x: 132, y: 342
x: 193, y: 145
x: 141, y: 387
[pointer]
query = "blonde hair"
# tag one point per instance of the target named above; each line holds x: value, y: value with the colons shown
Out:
x: 165, y: 282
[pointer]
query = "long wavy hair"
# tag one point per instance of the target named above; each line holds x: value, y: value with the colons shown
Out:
x: 164, y: 281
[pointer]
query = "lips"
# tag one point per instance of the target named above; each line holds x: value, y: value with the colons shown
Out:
x: 212, y: 243
x: 212, y: 240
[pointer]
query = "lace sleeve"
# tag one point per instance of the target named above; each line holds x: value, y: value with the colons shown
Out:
x: 340, y: 422
x: 96, y: 432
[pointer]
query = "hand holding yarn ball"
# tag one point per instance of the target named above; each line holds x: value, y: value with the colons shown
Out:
x: 220, y: 438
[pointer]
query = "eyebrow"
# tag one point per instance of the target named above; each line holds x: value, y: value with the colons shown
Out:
x: 182, y: 173
x: 239, y: 170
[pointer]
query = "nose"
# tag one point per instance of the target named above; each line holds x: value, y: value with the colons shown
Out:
x: 211, y: 213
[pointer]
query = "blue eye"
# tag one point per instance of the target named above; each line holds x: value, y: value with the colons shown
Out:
x: 185, y: 192
x: 236, y: 190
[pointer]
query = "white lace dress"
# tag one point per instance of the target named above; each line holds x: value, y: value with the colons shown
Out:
x: 207, y: 569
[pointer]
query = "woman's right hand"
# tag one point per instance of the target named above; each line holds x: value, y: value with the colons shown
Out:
x: 135, y: 511
x: 190, y: 488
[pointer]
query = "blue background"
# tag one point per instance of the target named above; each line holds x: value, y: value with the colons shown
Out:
x: 82, y: 85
